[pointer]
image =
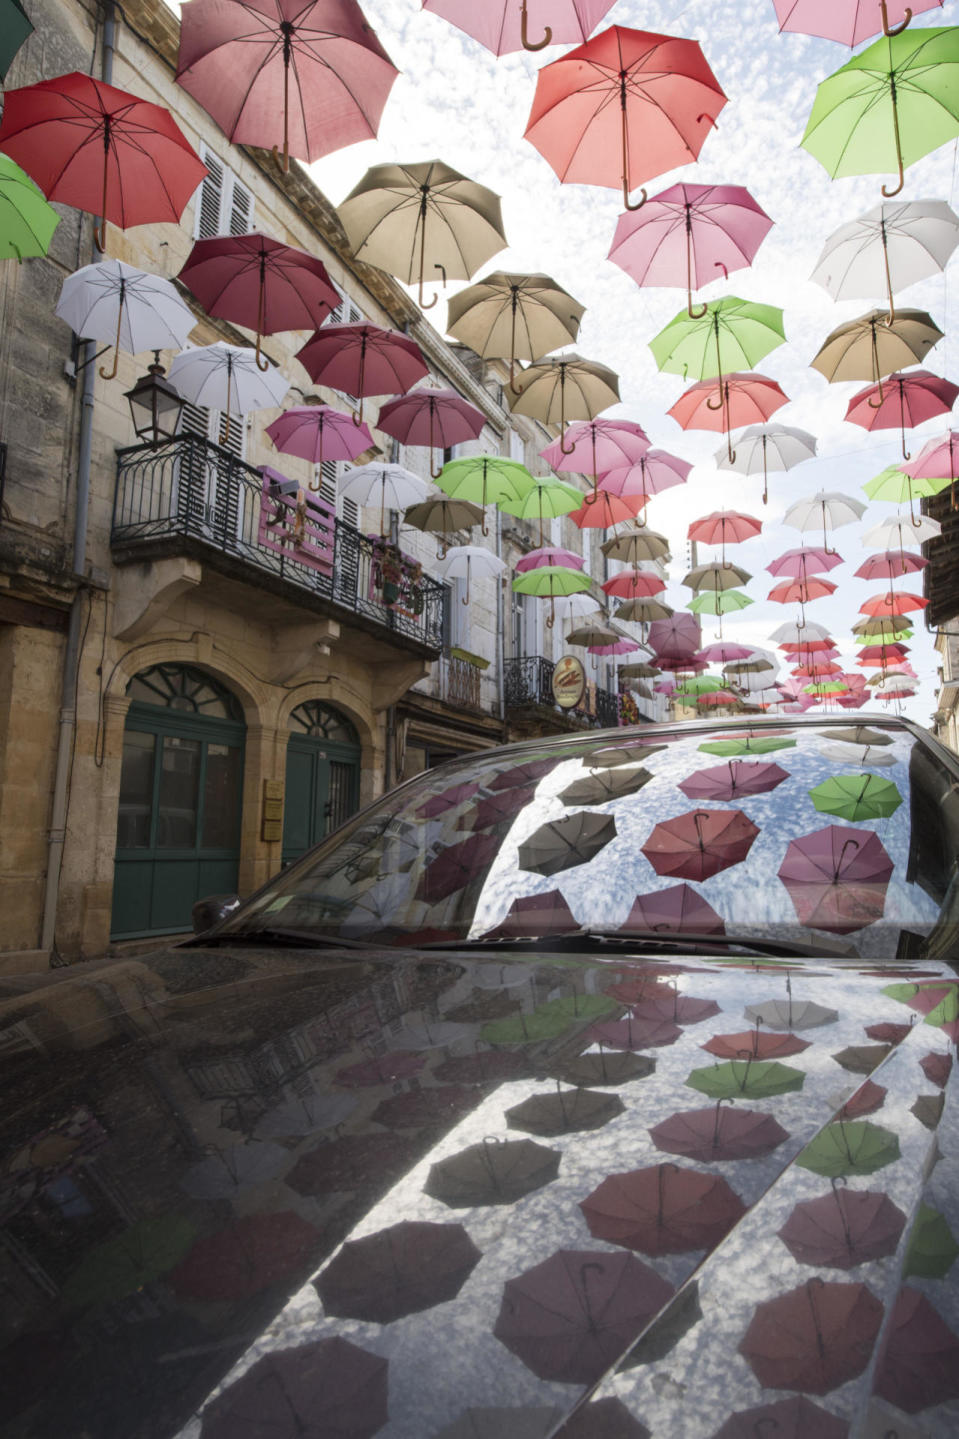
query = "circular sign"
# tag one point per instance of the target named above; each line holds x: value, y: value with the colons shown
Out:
x: 569, y: 682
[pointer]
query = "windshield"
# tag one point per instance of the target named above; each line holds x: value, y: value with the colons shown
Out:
x: 834, y: 832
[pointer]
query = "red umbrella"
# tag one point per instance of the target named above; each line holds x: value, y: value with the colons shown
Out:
x: 573, y: 1316
x: 456, y: 865
x: 813, y: 1338
x: 796, y: 1418
x: 397, y: 1271
x: 602, y: 509
x: 920, y: 1365
x: 363, y: 360
x: 700, y: 843
x: 724, y: 527
x: 718, y: 1133
x: 318, y: 433
x: 634, y: 584
x: 751, y: 1043
x: 867, y: 1099
x: 901, y: 402
x: 843, y: 1229
x: 887, y: 1032
x: 936, y: 1068
x: 100, y: 149
x: 742, y: 399
x: 524, y: 774
x: 431, y: 418
x: 790, y: 592
x: 500, y: 807
x: 624, y: 107
x: 662, y: 1210
x: 729, y: 781
x: 534, y: 915
x: 505, y: 25
x: 318, y: 64
x: 258, y: 282
x: 837, y: 878
x: 256, y: 1251
x: 632, y: 1033
x: 894, y: 602
x: 676, y: 1007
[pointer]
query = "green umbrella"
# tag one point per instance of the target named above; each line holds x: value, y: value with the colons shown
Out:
x: 733, y: 334
x: 857, y: 1147
x: 854, y: 796
x: 545, y: 1023
x: 579, y: 1006
x: 892, y: 485
x: 752, y: 744
x: 15, y: 26
x: 931, y: 1248
x: 548, y: 581
x: 544, y: 500
x: 699, y: 685
x: 825, y: 687
x: 888, y: 106
x: 138, y: 1256
x: 718, y: 602
x: 27, y: 222
x: 745, y: 1078
x: 486, y: 480
x: 928, y: 1109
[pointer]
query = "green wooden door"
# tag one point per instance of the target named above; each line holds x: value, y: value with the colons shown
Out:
x: 178, y: 825
x: 322, y: 776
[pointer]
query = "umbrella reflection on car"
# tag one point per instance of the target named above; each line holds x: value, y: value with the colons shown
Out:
x: 751, y: 1043
x: 535, y: 915
x: 664, y: 1209
x: 866, y: 1100
x: 814, y: 1337
x: 862, y: 1058
x: 844, y: 1228
x: 849, y: 1147
x: 564, y: 1112
x: 499, y: 808
x: 249, y: 1255
x: 225, y: 1172
x: 456, y: 865
x: 633, y: 1033
x: 931, y: 1249
x: 752, y: 1079
x: 608, y: 784
x: 798, y: 1417
x: 565, y: 843
x: 837, y: 878
x: 700, y: 843
x: 496, y: 1171
x: 919, y: 1367
x: 729, y: 781
x: 484, y: 1066
x: 678, y: 908
x: 350, y: 1162
x: 422, y: 1108
x: 718, y: 1133
x: 408, y: 1267
x: 603, y: 1067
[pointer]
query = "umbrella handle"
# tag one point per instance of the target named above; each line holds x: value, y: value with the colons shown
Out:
x: 112, y: 373
x: 524, y: 33
x: 625, y: 136
x: 896, y: 29
x: 895, y: 130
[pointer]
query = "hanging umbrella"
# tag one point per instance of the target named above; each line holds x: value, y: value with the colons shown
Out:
x: 605, y: 1067
x: 502, y: 807
x: 761, y: 448
x: 324, y: 70
x: 605, y: 785
x: 662, y: 1210
x: 412, y: 220
x: 509, y: 25
x: 787, y: 1014
x: 634, y: 584
x: 635, y: 546
x: 843, y: 1229
x: 676, y: 909
x: 724, y: 576
x: 890, y: 564
x: 813, y: 1338
x: 227, y: 1172
x: 362, y: 360
x: 386, y: 487
x: 27, y: 222
x: 316, y: 433
x: 544, y: 500
x: 856, y: 1147
x: 796, y: 1418
x: 897, y: 533
x: 858, y: 755
x: 549, y: 555
x: 889, y: 248
x: 569, y: 1111
x: 601, y: 510
x: 718, y: 1133
x: 724, y: 527
x: 862, y: 1058
x: 542, y: 1024
x: 467, y: 561
x: 573, y: 1316
x: 732, y: 334
x: 550, y: 581
x: 932, y: 1249
x: 129, y: 1261
x: 16, y: 28
x: 700, y: 843
x: 250, y: 1255
x: 514, y: 317
x: 128, y: 308
x: 747, y: 1079
x: 484, y: 480
x: 906, y: 401
x: 404, y: 1269
x: 937, y: 460
x: 443, y: 1105
x: 874, y: 345
x: 653, y: 472
x: 751, y: 1044
x: 854, y: 798
x: 748, y: 744
x: 624, y: 107
x: 836, y: 878
x: 227, y: 377
x: 535, y: 915
x: 591, y: 447
x: 349, y: 1163
x: 789, y: 592
x: 723, y: 653
x: 100, y: 149
x: 736, y: 401
x: 331, y: 1378
x: 457, y: 866
x: 850, y: 23
x: 919, y: 1367
x: 495, y: 1421
x: 566, y: 388
x: 485, y: 1067
x: 886, y: 107
x: 430, y: 418
x: 688, y: 235
x: 730, y: 781
x: 711, y: 602
x: 437, y: 515
x: 636, y: 1033
x: 565, y: 843
x: 936, y: 1067
x: 498, y: 1171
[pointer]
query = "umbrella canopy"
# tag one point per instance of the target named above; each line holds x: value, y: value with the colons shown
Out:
x: 415, y: 220
x: 932, y: 1248
x: 813, y: 1338
x: 514, y: 317
x: 901, y: 402
x: 384, y: 1069
x: 849, y: 24
x: 401, y: 1270
x: 226, y: 1171
x: 761, y: 448
x: 636, y: 1033
x: 602, y: 510
x: 604, y: 1068
x: 317, y: 433
x: 485, y: 480
x: 563, y: 389
x: 468, y: 562
x: 256, y: 1251
x: 826, y: 508
x: 388, y: 487
x: 125, y: 307
x: 421, y: 1108
x: 718, y: 1133
x: 837, y: 878
x: 874, y: 345
x: 549, y: 555
x: 362, y: 360
x: 796, y: 1418
x: 700, y: 843
x: 507, y: 25
x: 348, y: 1163
x: 567, y: 1111
x: 732, y: 334
x: 898, y: 533
x: 228, y: 378
x: 431, y: 418
x: 919, y: 1367
x: 746, y: 1079
x: 736, y: 400
x: 27, y: 222
x: 890, y: 564
x: 456, y: 866
x: 624, y: 107
x: 716, y: 577
x: 788, y: 1014
x: 129, y: 1261
x: 854, y: 798
x: 634, y: 584
x: 100, y: 149
x: 849, y: 1147
x: 592, y: 447
x: 677, y: 908
x: 605, y: 785
x: 730, y: 781
x: 564, y: 843
x: 843, y: 1229
x: 573, y: 1316
x: 16, y: 28
x: 662, y: 1210
x: 937, y: 460
x: 751, y: 1043
x: 889, y: 248
x: 635, y: 546
x: 440, y: 516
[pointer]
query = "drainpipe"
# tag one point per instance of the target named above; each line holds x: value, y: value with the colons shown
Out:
x: 500, y: 648
x: 71, y: 660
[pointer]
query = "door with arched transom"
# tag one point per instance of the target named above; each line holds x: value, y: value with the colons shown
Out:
x: 322, y: 776
x: 178, y: 824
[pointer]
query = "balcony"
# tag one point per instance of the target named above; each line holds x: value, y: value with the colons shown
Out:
x: 460, y: 683
x: 189, y: 496
x: 528, y: 686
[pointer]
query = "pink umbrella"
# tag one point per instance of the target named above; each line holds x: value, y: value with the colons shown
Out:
x: 677, y: 909
x: 849, y: 22
x: 601, y: 510
x: 889, y: 564
x: 700, y: 843
x: 807, y: 560
x: 742, y: 399
x: 688, y: 235
x: 843, y: 1229
x: 456, y: 865
x: 653, y: 472
x: 419, y: 1108
x: 680, y: 1008
x: 447, y: 799
x: 549, y: 555
x: 938, y: 460
x: 725, y: 653
x: 363, y: 360
x: 920, y: 1364
x: 718, y: 1133
x: 681, y: 634
x: 837, y: 878
x: 813, y: 1338
x: 620, y: 647
x: 632, y: 1033
x: 901, y: 402
x: 384, y: 1069
x: 634, y: 584
x: 317, y: 433
x: 431, y: 418
x: 867, y: 1099
x: 662, y: 1210
x: 504, y: 25
x: 729, y: 781
x: 893, y: 602
x: 589, y: 447
x: 873, y: 654
x: 790, y: 592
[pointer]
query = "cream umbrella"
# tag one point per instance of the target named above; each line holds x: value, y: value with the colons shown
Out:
x: 514, y: 317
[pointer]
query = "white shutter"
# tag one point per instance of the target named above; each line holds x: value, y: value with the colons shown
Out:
x: 459, y: 616
x: 226, y: 205
x: 211, y: 196
x: 241, y: 209
x: 346, y: 510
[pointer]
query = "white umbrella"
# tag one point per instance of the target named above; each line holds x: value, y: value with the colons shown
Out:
x: 896, y: 686
x: 887, y: 249
x: 227, y: 377
x: 793, y: 634
x: 125, y: 307
x: 762, y: 448
x: 896, y: 533
x: 465, y: 561
x: 570, y: 607
x: 790, y: 1013
x: 826, y: 508
x: 389, y: 486
x: 857, y: 754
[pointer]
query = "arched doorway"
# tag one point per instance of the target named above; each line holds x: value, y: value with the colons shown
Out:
x: 178, y: 826
x: 322, y: 776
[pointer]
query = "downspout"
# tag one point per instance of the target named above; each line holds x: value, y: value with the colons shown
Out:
x: 500, y: 646
x: 71, y: 660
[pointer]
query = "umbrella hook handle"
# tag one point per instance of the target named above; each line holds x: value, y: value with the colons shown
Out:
x: 894, y: 29
x: 895, y: 121
x: 524, y: 33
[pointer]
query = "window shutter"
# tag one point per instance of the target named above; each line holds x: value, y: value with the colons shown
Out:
x: 211, y: 196
x: 226, y: 205
x: 346, y: 510
x: 241, y: 209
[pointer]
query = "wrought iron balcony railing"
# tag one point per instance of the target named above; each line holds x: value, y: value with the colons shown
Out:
x: 528, y: 681
x: 192, y: 491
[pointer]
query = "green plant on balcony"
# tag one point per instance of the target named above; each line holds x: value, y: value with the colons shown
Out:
x: 397, y: 576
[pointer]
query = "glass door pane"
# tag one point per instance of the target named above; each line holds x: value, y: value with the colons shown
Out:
x: 178, y: 790
x: 221, y: 797
x: 136, y: 790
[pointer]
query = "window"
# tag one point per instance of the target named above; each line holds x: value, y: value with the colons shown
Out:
x: 225, y: 206
x: 346, y: 510
x: 347, y: 312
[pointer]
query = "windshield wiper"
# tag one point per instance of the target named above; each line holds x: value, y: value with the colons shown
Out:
x: 584, y: 941
x: 271, y: 934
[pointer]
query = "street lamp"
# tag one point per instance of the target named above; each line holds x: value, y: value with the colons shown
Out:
x: 155, y: 405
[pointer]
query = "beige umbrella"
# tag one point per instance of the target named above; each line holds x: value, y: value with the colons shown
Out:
x: 873, y: 346
x: 441, y: 516
x: 634, y: 546
x: 642, y: 611
x: 716, y: 577
x: 563, y: 389
x: 514, y: 317
x: 594, y: 633
x: 412, y: 220
x: 639, y: 671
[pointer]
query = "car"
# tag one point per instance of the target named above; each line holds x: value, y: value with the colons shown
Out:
x: 599, y: 1085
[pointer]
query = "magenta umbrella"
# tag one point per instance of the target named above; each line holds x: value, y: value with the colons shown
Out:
x: 456, y: 865
x: 363, y: 360
x: 890, y: 564
x: 688, y: 235
x: 843, y: 1229
x: 431, y: 418
x: 318, y: 433
x: 632, y: 1033
x: 507, y: 25
x: 680, y: 634
x: 902, y: 401
x: 662, y: 1210
x: 807, y: 560
x: 549, y: 555
x: 653, y: 472
x: 849, y: 22
x: 938, y: 460
x: 724, y: 653
x: 718, y: 1133
x: 589, y: 447
x: 837, y: 878
x: 729, y: 781
x: 920, y: 1365
x: 501, y: 806
x: 700, y: 843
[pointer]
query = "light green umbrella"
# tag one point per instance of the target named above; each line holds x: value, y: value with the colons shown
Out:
x: 124, y: 1264
x: 549, y: 581
x: 721, y: 602
x: 888, y: 106
x: 27, y: 222
x: 853, y: 796
x: 946, y: 1011
x: 699, y: 685
x: 931, y: 1249
x: 751, y: 744
x: 733, y: 334
x: 544, y: 500
x: 545, y: 1023
x: 486, y: 480
x: 856, y: 1147
x: 893, y: 485
x: 745, y: 1078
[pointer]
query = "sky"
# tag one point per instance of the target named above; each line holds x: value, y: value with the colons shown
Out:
x: 455, y: 101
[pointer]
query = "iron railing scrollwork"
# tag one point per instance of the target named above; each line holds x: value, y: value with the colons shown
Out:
x: 527, y: 681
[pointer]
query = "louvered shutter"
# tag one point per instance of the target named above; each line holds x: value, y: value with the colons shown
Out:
x: 346, y: 510
x: 241, y: 209
x: 226, y: 205
x: 211, y: 196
